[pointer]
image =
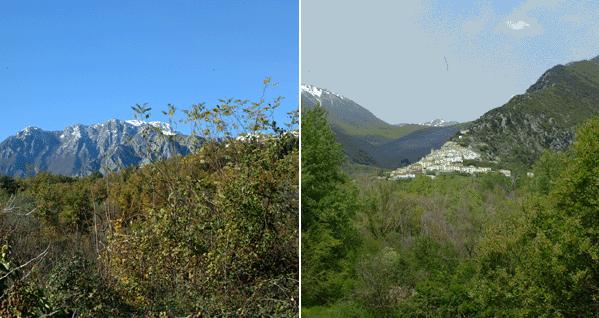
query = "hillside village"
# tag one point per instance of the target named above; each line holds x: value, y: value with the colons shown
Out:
x: 448, y: 159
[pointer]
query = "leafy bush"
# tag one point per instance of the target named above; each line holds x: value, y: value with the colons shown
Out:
x: 211, y: 234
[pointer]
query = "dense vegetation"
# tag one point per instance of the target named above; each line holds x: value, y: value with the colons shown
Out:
x: 328, y: 204
x: 454, y: 246
x: 211, y: 234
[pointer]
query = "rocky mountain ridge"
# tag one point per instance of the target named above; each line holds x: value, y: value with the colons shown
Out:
x: 544, y: 117
x: 80, y: 150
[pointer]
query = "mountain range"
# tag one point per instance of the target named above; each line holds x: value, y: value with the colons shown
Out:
x: 544, y: 117
x: 81, y: 150
x: 516, y: 133
x: 366, y: 139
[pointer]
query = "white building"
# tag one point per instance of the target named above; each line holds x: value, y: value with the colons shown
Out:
x: 448, y: 159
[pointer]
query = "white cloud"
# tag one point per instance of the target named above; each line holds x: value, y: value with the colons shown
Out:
x: 517, y: 25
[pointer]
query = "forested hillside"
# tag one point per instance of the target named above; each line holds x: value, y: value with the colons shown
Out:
x: 212, y: 234
x: 368, y: 140
x: 453, y: 246
x: 544, y: 117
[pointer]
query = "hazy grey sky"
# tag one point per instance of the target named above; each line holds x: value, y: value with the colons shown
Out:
x: 389, y: 55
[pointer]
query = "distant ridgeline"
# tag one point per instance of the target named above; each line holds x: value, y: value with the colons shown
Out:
x: 369, y: 140
x: 514, y: 135
x: 511, y: 136
x: 81, y: 150
x: 544, y: 117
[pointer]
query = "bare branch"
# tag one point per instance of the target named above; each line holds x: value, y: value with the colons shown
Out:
x: 11, y: 208
x: 42, y: 254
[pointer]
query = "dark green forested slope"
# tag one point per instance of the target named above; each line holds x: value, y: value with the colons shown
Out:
x: 545, y: 117
x: 455, y: 246
x: 354, y: 119
x: 368, y: 140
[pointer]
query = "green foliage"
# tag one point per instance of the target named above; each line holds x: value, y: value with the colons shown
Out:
x: 460, y: 246
x: 337, y: 310
x: 328, y: 205
x: 546, y: 171
x: 76, y: 288
x: 548, y: 266
x: 25, y: 300
x: 8, y: 185
x: 62, y: 202
x: 418, y: 236
x: 5, y: 267
x: 210, y: 234
x: 223, y: 235
x: 17, y: 298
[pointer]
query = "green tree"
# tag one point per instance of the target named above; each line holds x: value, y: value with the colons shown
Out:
x: 546, y: 171
x: 328, y: 205
x: 548, y: 264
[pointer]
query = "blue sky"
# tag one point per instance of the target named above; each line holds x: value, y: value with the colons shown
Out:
x: 389, y: 56
x: 68, y: 62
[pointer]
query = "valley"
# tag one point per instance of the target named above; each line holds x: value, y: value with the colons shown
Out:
x: 509, y: 137
x: 369, y: 140
x: 490, y: 218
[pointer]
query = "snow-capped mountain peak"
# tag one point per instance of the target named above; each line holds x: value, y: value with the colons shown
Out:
x: 318, y: 92
x: 79, y: 150
x: 439, y: 123
x: 312, y: 90
x: 29, y: 129
x: 164, y: 127
x: 135, y: 122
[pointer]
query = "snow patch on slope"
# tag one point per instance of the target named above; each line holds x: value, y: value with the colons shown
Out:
x: 164, y: 127
x: 312, y: 90
x: 135, y: 122
x: 318, y: 92
x: 439, y: 123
